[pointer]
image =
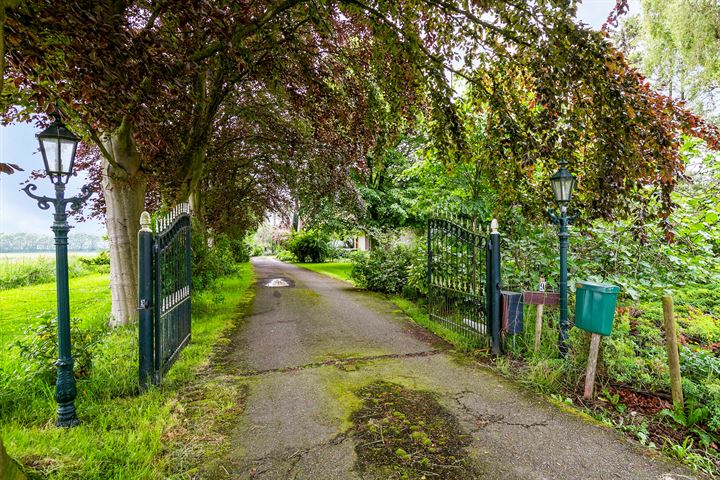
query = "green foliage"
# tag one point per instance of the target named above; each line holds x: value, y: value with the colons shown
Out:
x: 545, y: 375
x: 418, y: 313
x: 212, y: 262
x: 102, y: 258
x: 286, y: 256
x: 704, y: 394
x: 675, y: 43
x: 256, y: 250
x: 37, y: 347
x: 614, y: 400
x: 382, y: 270
x: 309, y: 245
x: 699, y: 365
x: 417, y: 269
x: 687, y: 417
x: 240, y: 248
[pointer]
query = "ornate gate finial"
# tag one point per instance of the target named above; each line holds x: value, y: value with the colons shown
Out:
x: 145, y: 222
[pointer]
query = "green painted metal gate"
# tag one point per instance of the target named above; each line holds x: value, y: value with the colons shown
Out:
x: 464, y: 279
x: 164, y: 292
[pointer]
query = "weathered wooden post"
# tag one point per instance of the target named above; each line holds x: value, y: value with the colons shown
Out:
x: 672, y: 351
x: 591, y: 366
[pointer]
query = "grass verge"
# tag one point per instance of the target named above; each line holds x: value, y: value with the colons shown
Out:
x: 419, y: 315
x: 123, y: 434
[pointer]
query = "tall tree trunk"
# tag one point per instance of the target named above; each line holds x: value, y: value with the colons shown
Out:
x: 124, y: 186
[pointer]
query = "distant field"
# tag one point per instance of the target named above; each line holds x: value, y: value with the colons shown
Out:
x: 26, y: 269
x: 14, y: 257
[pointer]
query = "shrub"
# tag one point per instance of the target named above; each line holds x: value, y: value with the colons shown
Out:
x: 102, y: 258
x: 38, y: 348
x: 309, y: 245
x: 210, y: 262
x: 334, y: 252
x: 418, y: 268
x: 382, y: 270
x: 410, y: 292
x: 285, y: 256
x: 239, y: 248
x: 699, y: 365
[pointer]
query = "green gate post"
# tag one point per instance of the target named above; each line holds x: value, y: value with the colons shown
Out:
x: 496, y: 345
x: 429, y: 263
x: 145, y: 295
x: 188, y: 270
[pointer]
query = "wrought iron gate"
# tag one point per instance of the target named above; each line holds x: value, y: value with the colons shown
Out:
x: 464, y: 279
x: 164, y: 292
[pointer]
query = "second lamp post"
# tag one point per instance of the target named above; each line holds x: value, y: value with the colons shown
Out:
x: 562, y: 184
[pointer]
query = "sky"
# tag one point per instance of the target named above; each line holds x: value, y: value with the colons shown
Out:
x: 19, y: 213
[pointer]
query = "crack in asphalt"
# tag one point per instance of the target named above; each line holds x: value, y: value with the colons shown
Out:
x: 340, y: 361
x: 482, y: 420
x: 293, y: 459
x: 300, y: 454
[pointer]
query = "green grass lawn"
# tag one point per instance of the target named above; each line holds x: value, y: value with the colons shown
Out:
x: 339, y: 270
x: 89, y: 301
x: 123, y: 434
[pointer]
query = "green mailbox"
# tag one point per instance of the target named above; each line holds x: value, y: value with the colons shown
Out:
x: 595, y: 307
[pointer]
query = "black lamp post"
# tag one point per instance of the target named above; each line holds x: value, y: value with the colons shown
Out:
x: 58, y: 146
x: 562, y: 184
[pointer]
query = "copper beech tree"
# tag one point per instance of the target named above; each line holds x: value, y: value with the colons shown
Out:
x: 224, y: 102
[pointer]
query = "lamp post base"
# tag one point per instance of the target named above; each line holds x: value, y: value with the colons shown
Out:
x: 67, y: 417
x: 65, y: 393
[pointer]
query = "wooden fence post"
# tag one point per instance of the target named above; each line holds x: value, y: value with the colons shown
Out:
x: 592, y: 365
x: 672, y: 351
